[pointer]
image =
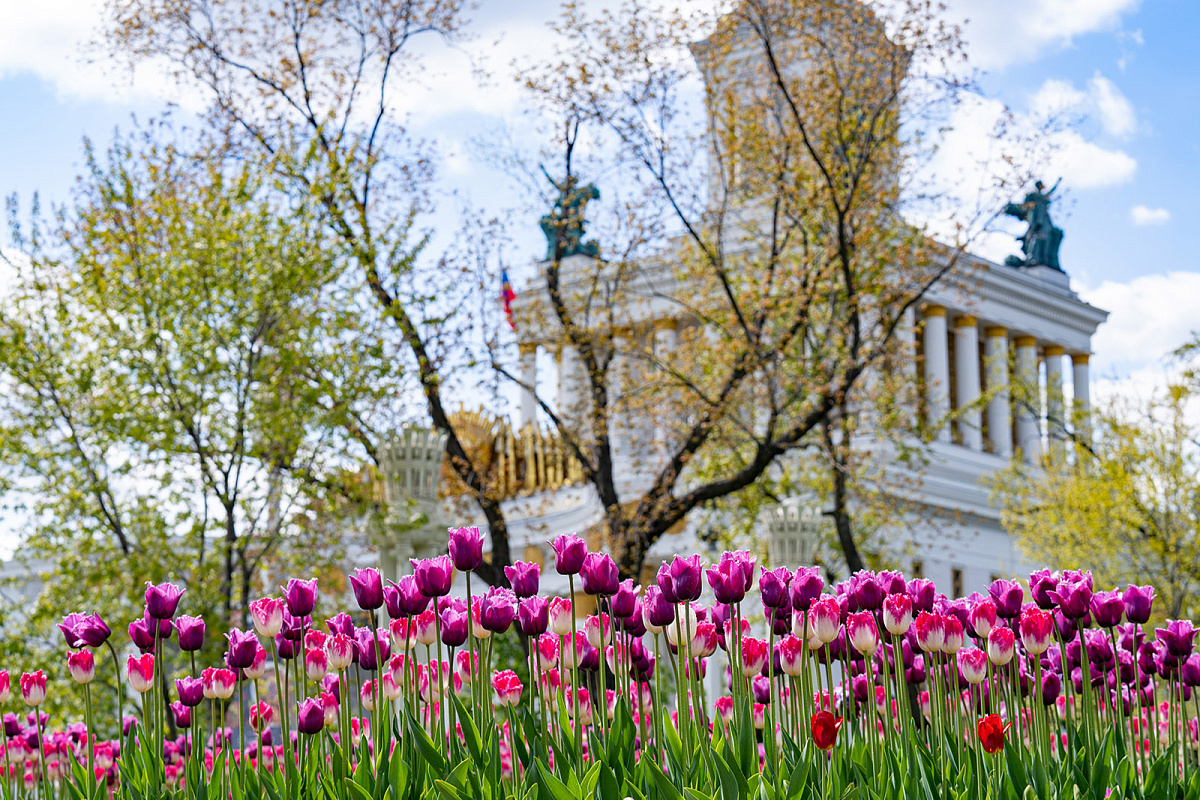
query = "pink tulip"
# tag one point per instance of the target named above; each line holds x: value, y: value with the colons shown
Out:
x: 598, y: 630
x: 140, y: 672
x: 218, y: 683
x: 791, y: 653
x: 754, y: 655
x: 1001, y: 646
x: 316, y: 665
x: 931, y: 631
x: 507, y: 687
x: 897, y: 613
x: 972, y: 663
x: 952, y: 637
x: 1037, y: 631
x: 339, y: 652
x: 82, y: 666
x: 561, y: 613
x: 825, y: 618
x: 982, y: 618
x: 862, y: 633
x: 33, y: 687
x: 547, y: 651
x: 267, y: 614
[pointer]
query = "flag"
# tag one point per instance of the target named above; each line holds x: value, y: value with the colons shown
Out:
x: 507, y: 295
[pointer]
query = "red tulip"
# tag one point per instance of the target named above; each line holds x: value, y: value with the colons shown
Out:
x: 991, y: 733
x: 825, y: 727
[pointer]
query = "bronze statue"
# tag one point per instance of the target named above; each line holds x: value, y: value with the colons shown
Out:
x: 564, y: 225
x: 1041, y: 239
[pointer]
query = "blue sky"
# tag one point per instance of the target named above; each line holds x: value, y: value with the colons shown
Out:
x: 1130, y: 167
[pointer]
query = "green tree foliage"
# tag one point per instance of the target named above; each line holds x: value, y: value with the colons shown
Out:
x: 192, y: 383
x: 1125, y: 505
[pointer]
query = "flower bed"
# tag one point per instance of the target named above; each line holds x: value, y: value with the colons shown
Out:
x: 881, y: 688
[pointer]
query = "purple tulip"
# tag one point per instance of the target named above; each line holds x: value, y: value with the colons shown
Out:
x: 569, y: 552
x: 91, y: 631
x: 330, y: 683
x: 600, y: 575
x: 781, y: 620
x: 807, y: 586
x: 162, y: 600
x: 12, y: 725
x: 1008, y: 597
x: 286, y: 648
x: 310, y: 716
x: 866, y: 589
x: 916, y: 673
x: 1099, y: 648
x: 498, y: 609
x: 533, y: 615
x: 404, y: 598
x: 300, y: 596
x: 454, y: 625
x: 1138, y: 602
x: 624, y: 601
x: 1146, y: 657
x: 243, y: 647
x: 1051, y: 688
x: 1190, y: 671
x: 368, y: 588
x: 341, y: 623
x: 773, y: 586
x: 294, y: 627
x: 523, y: 577
x: 923, y: 594
x: 190, y: 691
x: 589, y: 658
x: 142, y: 638
x: 191, y: 633
x: 433, y: 575
x: 1107, y: 608
x: 1130, y: 637
x: 1041, y: 584
x: 657, y: 610
x: 182, y: 715
x: 466, y: 548
x: 892, y: 582
x: 686, y: 575
x: 726, y: 584
x: 1177, y: 637
x: 368, y: 658
x: 1074, y: 597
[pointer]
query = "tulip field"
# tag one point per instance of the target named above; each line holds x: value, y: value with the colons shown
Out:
x: 877, y: 687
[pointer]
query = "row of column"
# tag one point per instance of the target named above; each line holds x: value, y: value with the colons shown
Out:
x: 571, y: 382
x: 994, y: 370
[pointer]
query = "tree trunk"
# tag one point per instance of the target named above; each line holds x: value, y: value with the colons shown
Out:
x: 839, y: 455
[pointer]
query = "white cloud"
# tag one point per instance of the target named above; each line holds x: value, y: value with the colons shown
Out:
x: 46, y: 38
x: 1150, y: 316
x: 1103, y: 101
x: 1144, y: 215
x: 1018, y: 30
x: 1113, y: 108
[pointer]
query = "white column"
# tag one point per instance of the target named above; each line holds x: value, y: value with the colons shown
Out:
x: 999, y: 421
x: 1083, y: 394
x: 1029, y: 409
x: 966, y: 378
x: 528, y: 363
x: 1055, y: 413
x: 937, y: 371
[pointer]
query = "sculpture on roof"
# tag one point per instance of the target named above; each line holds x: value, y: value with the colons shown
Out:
x: 564, y: 225
x: 1041, y: 239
